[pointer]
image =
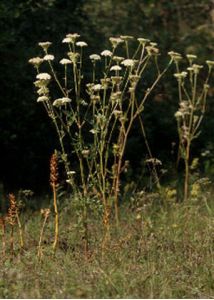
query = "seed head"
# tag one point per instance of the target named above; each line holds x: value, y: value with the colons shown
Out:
x: 12, y: 211
x: 54, y: 170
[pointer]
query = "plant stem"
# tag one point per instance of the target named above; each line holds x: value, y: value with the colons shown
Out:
x: 20, y: 231
x: 56, y: 218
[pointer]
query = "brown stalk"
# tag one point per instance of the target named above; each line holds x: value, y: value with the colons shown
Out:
x: 54, y: 184
x: 3, y: 225
x: 45, y: 213
x: 12, y: 218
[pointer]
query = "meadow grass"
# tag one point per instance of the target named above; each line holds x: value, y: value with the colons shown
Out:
x: 158, y: 252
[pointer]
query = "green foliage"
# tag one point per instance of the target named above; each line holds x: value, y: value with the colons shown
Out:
x: 158, y: 253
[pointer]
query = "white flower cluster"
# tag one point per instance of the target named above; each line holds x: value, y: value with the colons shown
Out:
x: 70, y: 38
x: 61, y: 101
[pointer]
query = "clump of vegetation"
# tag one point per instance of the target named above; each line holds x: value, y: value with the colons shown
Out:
x: 158, y: 238
x: 192, y: 106
x: 96, y: 116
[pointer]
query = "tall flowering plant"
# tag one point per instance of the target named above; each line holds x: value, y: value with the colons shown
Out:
x: 96, y: 117
x: 192, y: 94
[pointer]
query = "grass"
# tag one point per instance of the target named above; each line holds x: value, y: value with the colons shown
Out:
x: 156, y: 253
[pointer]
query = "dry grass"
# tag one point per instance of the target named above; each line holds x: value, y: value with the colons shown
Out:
x: 159, y: 253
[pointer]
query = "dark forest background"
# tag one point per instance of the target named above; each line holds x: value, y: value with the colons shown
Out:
x: 27, y: 138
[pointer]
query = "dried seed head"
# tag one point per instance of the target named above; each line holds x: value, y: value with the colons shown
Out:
x: 54, y: 170
x: 12, y: 211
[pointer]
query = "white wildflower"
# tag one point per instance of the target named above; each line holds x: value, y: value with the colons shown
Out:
x: 36, y: 61
x: 42, y: 99
x: 115, y: 41
x: 66, y: 40
x: 45, y: 45
x: 175, y: 55
x: 97, y: 87
x: 143, y: 41
x: 61, y: 101
x: 71, y: 173
x: 196, y: 68
x: 65, y: 61
x: 128, y: 62
x: 118, y: 59
x: 191, y: 57
x: 73, y: 36
x: 126, y: 37
x: 95, y: 57
x: 81, y: 44
x: 85, y: 152
x: 43, y: 90
x: 178, y: 114
x: 210, y: 63
x: 106, y: 53
x: 153, y: 44
x: 43, y: 76
x: 181, y: 75
x: 115, y: 68
x: 48, y: 57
